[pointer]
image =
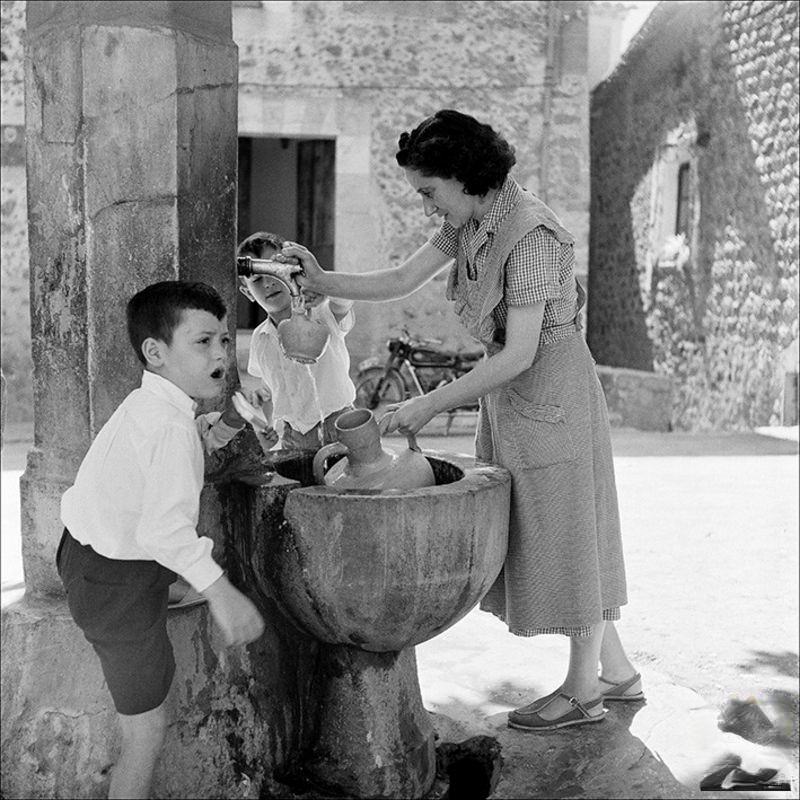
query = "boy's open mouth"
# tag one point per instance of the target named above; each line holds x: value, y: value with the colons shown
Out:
x: 218, y: 373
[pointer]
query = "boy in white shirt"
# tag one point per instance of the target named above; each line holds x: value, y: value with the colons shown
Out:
x: 289, y: 399
x: 130, y: 517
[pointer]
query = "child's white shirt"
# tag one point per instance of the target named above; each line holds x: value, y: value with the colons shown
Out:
x: 137, y: 491
x: 295, y: 399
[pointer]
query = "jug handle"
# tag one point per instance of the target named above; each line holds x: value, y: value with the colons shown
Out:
x: 322, y: 455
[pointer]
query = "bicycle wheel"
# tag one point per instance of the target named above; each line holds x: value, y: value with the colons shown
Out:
x: 375, y: 389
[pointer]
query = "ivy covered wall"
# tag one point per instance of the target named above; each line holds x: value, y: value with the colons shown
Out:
x: 718, y: 319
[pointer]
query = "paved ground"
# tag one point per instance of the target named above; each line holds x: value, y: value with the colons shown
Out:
x: 710, y: 525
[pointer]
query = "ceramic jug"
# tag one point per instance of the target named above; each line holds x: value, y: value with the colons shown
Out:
x: 301, y: 337
x: 368, y: 465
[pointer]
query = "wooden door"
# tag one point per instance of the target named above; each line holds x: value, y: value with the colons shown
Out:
x: 316, y: 190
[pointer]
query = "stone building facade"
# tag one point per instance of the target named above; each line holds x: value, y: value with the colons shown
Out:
x: 355, y: 74
x: 694, y: 209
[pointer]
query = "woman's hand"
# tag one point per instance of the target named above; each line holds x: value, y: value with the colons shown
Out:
x: 408, y: 417
x: 312, y: 273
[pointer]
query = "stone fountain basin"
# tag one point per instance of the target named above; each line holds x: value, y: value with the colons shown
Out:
x: 381, y: 570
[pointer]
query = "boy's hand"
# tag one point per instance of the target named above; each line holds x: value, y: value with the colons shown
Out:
x: 231, y: 417
x: 258, y: 417
x: 235, y: 614
x: 257, y: 398
x: 313, y: 299
x: 267, y: 439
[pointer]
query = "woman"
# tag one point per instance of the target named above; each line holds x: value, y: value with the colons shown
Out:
x: 542, y: 410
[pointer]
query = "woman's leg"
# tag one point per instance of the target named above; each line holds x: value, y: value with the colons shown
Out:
x: 615, y: 665
x: 581, y: 681
x: 142, y: 740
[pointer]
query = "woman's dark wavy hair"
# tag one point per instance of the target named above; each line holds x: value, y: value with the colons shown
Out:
x: 156, y: 310
x: 454, y: 145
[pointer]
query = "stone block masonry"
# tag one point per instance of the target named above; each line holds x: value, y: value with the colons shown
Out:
x: 714, y: 85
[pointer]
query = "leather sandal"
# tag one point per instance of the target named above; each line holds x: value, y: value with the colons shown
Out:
x: 528, y: 719
x: 539, y: 702
x: 616, y: 691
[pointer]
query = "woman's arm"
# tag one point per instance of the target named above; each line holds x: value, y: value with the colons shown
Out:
x: 522, y: 336
x: 383, y: 284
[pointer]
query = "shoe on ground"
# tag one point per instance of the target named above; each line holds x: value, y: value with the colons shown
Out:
x: 616, y: 692
x: 528, y: 718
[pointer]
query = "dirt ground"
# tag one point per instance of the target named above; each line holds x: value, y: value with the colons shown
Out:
x: 710, y: 531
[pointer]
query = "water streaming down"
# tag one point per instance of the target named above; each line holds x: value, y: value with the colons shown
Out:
x: 318, y: 402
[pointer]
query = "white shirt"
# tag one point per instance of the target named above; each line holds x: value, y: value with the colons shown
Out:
x: 137, y: 491
x: 290, y: 384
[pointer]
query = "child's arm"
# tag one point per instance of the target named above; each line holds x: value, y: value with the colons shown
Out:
x: 216, y: 430
x: 257, y: 410
x: 236, y: 615
x: 340, y: 308
x: 261, y: 398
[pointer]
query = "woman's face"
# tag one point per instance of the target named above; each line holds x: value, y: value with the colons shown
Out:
x: 444, y: 197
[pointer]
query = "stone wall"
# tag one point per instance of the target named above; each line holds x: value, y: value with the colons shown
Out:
x: 724, y: 76
x: 15, y: 305
x: 361, y: 73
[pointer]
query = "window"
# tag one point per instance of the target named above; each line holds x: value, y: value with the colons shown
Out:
x: 682, y: 213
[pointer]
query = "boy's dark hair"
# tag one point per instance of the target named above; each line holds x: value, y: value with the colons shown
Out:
x: 156, y: 310
x: 454, y: 145
x: 254, y: 244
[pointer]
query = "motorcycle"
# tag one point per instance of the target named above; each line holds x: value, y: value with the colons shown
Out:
x: 414, y: 366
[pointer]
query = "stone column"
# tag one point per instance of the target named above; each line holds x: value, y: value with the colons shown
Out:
x: 131, y: 160
x: 131, y: 165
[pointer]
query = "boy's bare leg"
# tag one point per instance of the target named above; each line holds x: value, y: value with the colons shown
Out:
x: 142, y: 740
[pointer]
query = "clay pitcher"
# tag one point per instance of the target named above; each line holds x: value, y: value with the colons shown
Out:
x: 302, y: 338
x: 368, y: 465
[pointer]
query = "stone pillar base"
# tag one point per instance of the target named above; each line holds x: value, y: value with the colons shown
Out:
x: 374, y: 737
x: 59, y: 726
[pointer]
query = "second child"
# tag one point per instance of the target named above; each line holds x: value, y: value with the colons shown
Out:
x: 296, y: 398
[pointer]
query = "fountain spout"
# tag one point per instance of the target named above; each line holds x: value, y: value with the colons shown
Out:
x: 283, y: 272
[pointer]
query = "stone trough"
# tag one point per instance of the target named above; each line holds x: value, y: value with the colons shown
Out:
x: 369, y: 575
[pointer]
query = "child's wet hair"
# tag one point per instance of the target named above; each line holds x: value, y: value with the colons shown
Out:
x: 156, y: 311
x: 254, y: 245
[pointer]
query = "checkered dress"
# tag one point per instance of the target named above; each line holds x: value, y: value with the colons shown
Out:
x: 548, y: 426
x: 539, y: 267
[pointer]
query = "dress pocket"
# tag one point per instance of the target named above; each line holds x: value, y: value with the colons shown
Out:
x: 539, y: 432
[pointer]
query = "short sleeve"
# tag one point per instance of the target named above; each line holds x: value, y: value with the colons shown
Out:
x: 253, y: 367
x: 446, y: 240
x: 532, y: 269
x: 338, y: 327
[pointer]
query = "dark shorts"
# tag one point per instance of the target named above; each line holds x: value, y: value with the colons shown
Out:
x: 121, y: 607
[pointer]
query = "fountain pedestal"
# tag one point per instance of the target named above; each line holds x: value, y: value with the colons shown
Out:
x: 369, y: 575
x: 372, y: 734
